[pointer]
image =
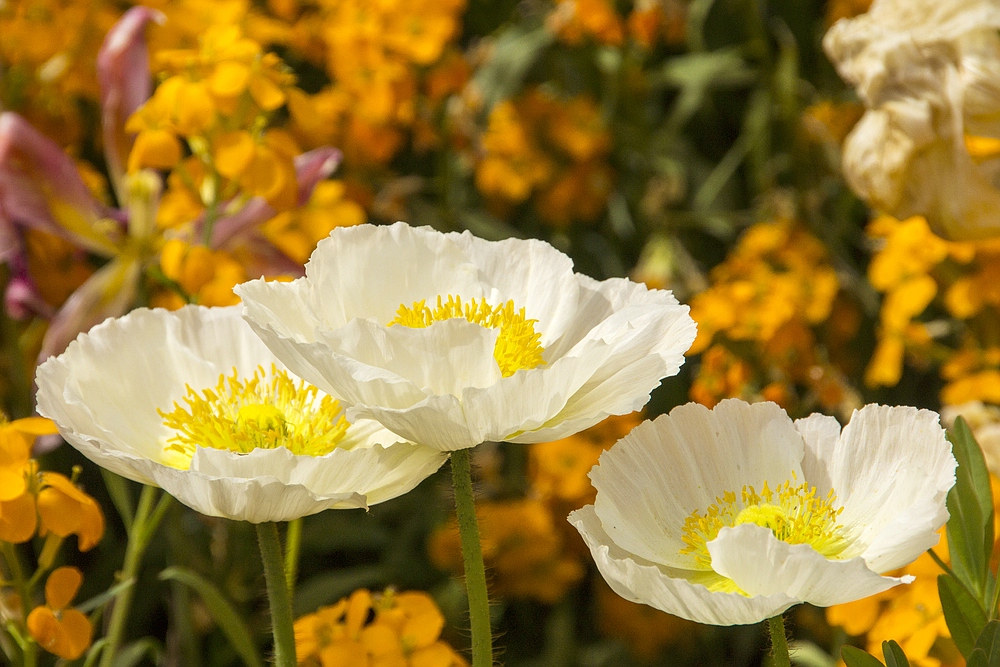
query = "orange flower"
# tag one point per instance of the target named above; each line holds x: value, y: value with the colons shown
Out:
x: 66, y: 510
x: 61, y: 631
x: 399, y: 629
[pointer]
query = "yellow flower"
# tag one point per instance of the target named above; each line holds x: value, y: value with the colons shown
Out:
x: 206, y: 276
x: 400, y: 629
x: 297, y: 232
x: 61, y: 631
x: 65, y: 510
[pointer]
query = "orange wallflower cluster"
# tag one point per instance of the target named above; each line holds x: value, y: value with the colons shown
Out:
x: 757, y: 323
x: 50, y: 505
x: 922, y: 277
x: 390, y: 65
x: 46, y: 55
x: 39, y: 501
x: 910, y: 614
x: 219, y: 98
x: 297, y: 232
x: 384, y: 630
x: 551, y: 148
x: 58, y: 629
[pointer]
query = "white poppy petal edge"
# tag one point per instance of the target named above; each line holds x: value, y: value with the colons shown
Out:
x: 262, y: 485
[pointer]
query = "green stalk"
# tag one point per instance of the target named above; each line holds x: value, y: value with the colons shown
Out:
x: 29, y: 654
x: 277, y: 594
x: 293, y: 544
x: 472, y: 553
x: 779, y: 642
x: 147, y: 520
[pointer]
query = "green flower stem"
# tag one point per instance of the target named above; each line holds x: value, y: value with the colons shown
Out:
x: 472, y: 552
x: 29, y: 650
x: 779, y: 642
x: 148, y: 516
x: 277, y: 594
x: 293, y: 544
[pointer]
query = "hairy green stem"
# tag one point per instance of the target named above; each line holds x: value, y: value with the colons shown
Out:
x: 472, y: 553
x: 779, y: 642
x: 147, y: 519
x: 293, y: 544
x: 277, y: 594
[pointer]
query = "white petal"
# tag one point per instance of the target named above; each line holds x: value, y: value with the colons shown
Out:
x: 667, y: 589
x: 532, y: 273
x: 891, y: 507
x: 657, y: 475
x: 761, y: 564
x: 645, y: 345
x: 411, y: 264
x: 462, y: 353
x: 110, y: 415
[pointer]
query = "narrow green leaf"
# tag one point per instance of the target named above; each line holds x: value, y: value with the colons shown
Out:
x: 965, y: 618
x: 121, y: 496
x: 132, y: 655
x: 988, y: 644
x: 855, y: 657
x: 894, y: 656
x: 970, y: 502
x: 229, y: 621
x: 107, y: 596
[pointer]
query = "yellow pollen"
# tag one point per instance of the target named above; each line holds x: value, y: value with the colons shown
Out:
x: 795, y: 514
x: 517, y: 344
x: 265, y: 411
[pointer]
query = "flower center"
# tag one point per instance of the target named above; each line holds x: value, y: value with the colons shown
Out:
x: 266, y: 411
x: 517, y: 344
x: 795, y: 514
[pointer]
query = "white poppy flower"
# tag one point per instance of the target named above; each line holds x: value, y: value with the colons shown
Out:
x: 193, y: 402
x: 732, y: 515
x: 929, y: 142
x: 449, y: 341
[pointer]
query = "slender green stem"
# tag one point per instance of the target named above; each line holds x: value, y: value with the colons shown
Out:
x: 29, y: 649
x: 779, y: 642
x: 293, y: 542
x: 277, y: 594
x: 144, y: 525
x: 472, y: 552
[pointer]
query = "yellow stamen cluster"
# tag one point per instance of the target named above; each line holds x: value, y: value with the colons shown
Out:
x: 517, y: 346
x: 795, y: 514
x: 266, y: 411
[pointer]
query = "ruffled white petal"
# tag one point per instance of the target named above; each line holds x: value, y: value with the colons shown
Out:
x: 110, y: 415
x: 661, y: 472
x: 761, y: 564
x: 607, y: 344
x: 891, y: 507
x: 671, y: 590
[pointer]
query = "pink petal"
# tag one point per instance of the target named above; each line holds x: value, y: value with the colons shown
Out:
x: 41, y: 188
x: 21, y: 298
x: 123, y: 73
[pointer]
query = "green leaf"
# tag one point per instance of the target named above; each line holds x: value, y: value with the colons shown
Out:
x: 132, y: 655
x: 894, y: 656
x: 970, y: 502
x: 963, y: 614
x: 987, y: 650
x: 121, y: 496
x: 229, y: 621
x: 855, y: 657
x: 514, y: 52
